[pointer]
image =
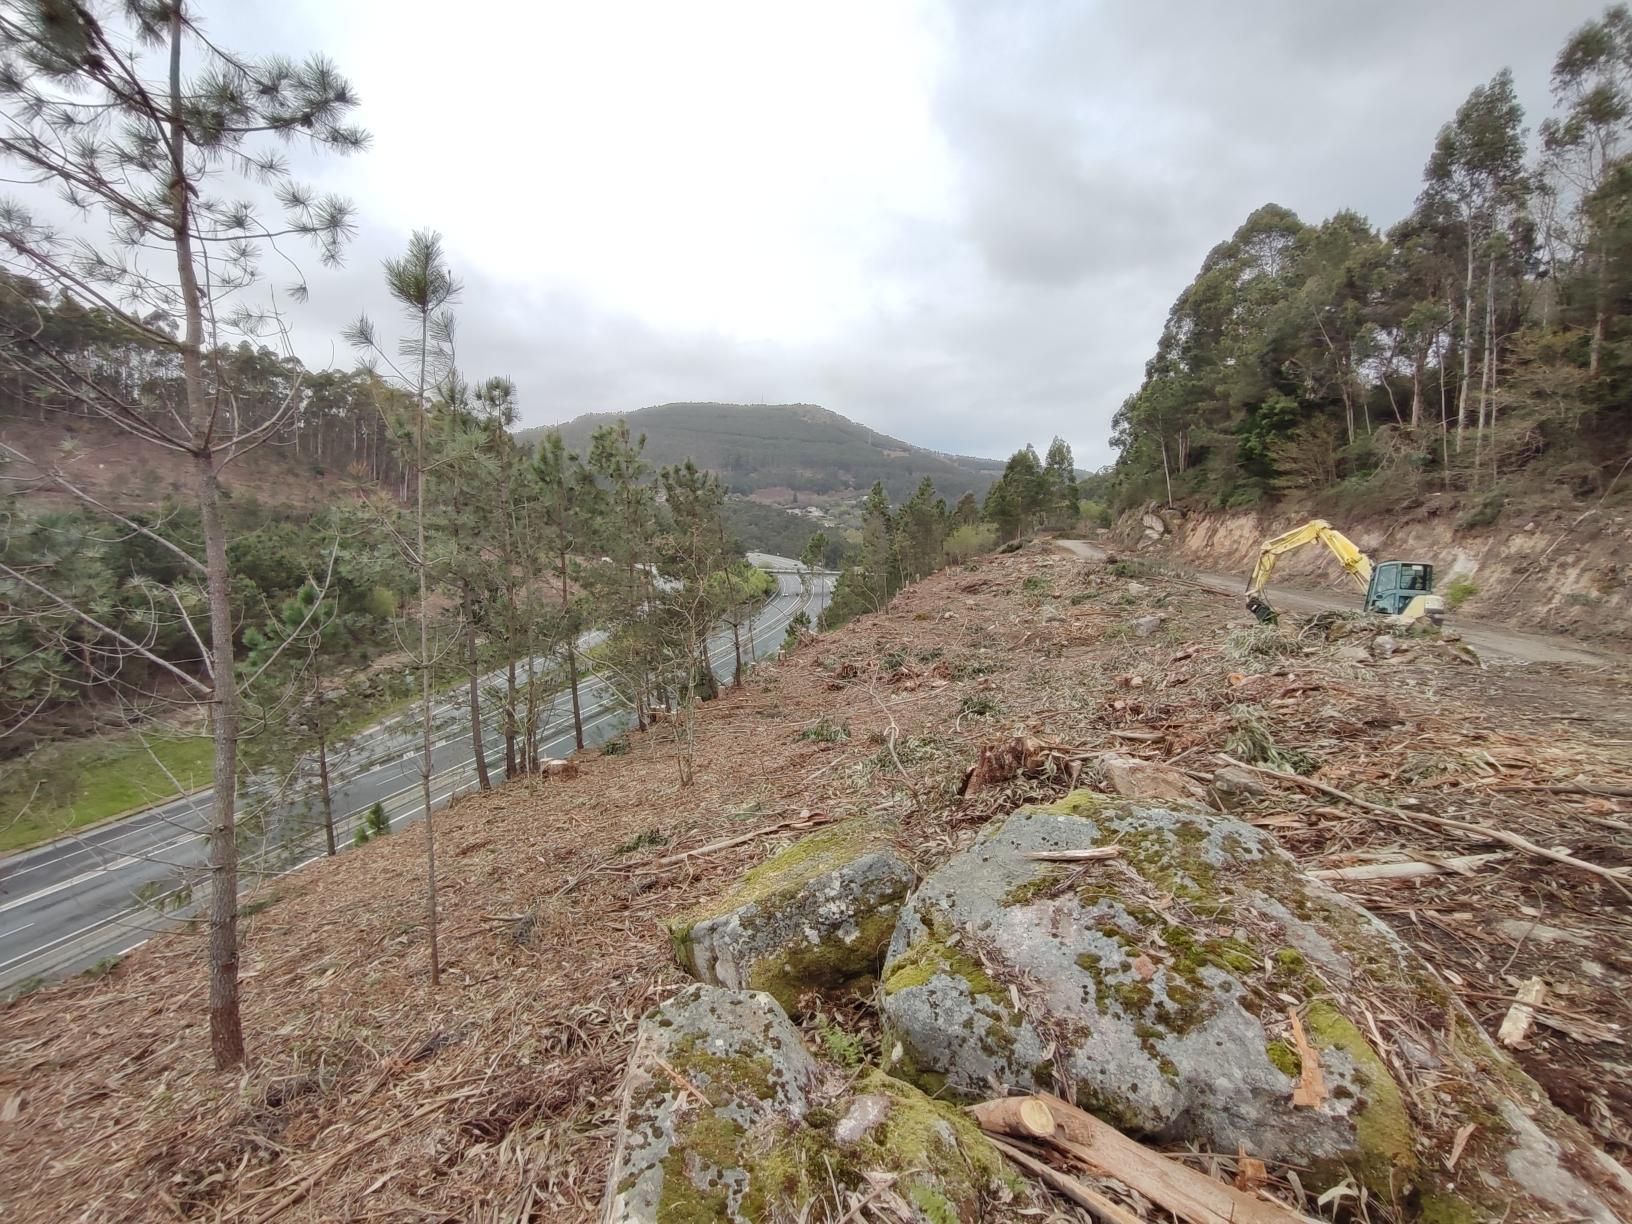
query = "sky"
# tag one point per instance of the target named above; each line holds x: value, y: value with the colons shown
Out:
x: 959, y: 222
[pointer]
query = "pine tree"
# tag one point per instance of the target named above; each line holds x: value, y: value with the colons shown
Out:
x: 161, y: 148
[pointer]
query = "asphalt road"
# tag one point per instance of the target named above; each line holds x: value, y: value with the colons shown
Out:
x: 67, y: 905
x: 1494, y: 641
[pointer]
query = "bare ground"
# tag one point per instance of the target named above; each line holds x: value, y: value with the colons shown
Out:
x: 371, y: 1096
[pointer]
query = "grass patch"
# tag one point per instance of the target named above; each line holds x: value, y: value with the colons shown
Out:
x: 826, y: 731
x: 979, y: 705
x: 69, y: 786
x: 1458, y: 591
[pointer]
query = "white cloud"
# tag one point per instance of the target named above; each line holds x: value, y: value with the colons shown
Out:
x: 962, y: 222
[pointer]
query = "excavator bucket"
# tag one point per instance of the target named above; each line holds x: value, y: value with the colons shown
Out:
x: 1259, y: 607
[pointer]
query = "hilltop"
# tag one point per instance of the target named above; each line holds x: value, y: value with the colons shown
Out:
x: 788, y: 454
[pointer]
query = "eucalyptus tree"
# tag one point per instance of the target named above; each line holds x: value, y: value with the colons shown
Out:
x: 1583, y: 148
x: 1475, y: 174
x: 162, y: 151
x: 424, y: 288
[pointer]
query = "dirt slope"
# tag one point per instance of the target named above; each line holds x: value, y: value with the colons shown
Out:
x: 1558, y: 569
x: 372, y: 1096
x: 1495, y: 642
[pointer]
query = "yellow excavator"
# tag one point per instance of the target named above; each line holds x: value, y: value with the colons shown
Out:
x: 1402, y: 589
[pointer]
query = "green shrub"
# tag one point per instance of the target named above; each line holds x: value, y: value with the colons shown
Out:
x: 826, y: 731
x: 979, y: 705
x: 1458, y: 591
x: 1484, y: 514
x: 970, y: 541
x: 377, y: 822
x: 1094, y: 514
x: 842, y: 1047
x: 651, y: 837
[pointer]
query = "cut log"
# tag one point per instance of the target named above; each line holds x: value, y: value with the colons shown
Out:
x: 1191, y: 1195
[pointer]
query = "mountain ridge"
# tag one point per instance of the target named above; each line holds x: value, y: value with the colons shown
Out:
x: 786, y: 454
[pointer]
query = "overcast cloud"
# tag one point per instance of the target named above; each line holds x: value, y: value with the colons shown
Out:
x: 961, y: 223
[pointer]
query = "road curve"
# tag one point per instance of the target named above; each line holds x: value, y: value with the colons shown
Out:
x: 81, y: 899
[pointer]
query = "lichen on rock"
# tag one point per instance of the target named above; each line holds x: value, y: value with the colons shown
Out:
x: 1154, y: 987
x: 727, y: 1119
x: 710, y: 1068
x: 815, y: 917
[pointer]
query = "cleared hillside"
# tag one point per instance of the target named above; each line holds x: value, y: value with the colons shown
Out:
x: 786, y: 452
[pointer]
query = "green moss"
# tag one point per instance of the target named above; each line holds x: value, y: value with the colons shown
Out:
x: 935, y: 1206
x: 1285, y: 1058
x: 709, y: 1145
x: 723, y: 1079
x: 832, y: 967
x: 1382, y: 1125
x: 785, y: 873
x: 1041, y: 885
x: 930, y: 958
x: 1085, y: 803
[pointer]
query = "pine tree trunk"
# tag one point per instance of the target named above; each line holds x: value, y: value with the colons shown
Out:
x: 473, y: 664
x: 736, y: 640
x: 423, y: 566
x: 510, y: 715
x: 226, y: 1026
x: 572, y: 659
x: 530, y: 740
x: 325, y: 794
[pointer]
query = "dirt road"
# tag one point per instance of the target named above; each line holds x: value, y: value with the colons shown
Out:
x: 1490, y: 641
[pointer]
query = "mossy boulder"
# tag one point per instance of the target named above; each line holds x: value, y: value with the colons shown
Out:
x: 1154, y: 989
x: 814, y: 918
x: 709, y: 1068
x: 727, y: 1119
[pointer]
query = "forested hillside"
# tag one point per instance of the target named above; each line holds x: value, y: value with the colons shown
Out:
x: 1482, y: 344
x: 787, y: 450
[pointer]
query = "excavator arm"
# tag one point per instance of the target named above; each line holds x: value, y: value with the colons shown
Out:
x: 1353, y: 561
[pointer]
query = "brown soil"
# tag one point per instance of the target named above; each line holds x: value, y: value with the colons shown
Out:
x: 371, y: 1096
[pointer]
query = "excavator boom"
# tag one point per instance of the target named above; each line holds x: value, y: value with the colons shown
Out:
x: 1354, y: 562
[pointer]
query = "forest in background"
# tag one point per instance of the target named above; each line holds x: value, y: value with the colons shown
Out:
x: 1482, y: 345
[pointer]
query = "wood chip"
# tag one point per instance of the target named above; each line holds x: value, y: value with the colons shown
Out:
x: 1250, y: 1173
x: 1311, y: 1090
x: 1516, y: 1024
x: 1461, y: 1141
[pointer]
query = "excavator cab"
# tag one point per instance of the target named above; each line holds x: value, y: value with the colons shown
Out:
x: 1395, y: 584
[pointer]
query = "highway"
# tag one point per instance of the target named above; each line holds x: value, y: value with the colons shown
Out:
x: 82, y: 899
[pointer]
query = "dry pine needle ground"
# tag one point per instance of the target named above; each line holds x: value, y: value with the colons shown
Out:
x: 370, y: 1097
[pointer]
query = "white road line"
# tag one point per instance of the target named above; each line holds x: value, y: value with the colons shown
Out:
x: 450, y: 777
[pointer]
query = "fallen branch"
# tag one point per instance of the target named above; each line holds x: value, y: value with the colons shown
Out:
x: 805, y: 820
x: 1413, y: 870
x: 1187, y: 1193
x: 1090, y: 1200
x: 1618, y: 876
x: 1074, y: 856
